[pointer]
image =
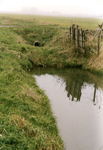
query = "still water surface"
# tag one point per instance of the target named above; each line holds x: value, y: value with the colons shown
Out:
x: 76, y: 99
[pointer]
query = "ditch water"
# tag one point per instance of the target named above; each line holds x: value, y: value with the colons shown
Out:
x: 76, y: 98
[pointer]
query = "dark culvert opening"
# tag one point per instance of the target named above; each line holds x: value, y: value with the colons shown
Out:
x: 36, y: 43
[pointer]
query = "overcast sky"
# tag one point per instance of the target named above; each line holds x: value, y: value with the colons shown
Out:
x: 70, y: 7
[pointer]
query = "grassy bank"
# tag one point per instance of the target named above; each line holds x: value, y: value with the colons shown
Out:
x: 26, y: 119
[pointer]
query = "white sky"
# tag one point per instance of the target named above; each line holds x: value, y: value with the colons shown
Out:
x: 89, y: 7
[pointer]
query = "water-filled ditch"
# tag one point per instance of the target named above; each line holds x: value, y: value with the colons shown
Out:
x: 76, y: 98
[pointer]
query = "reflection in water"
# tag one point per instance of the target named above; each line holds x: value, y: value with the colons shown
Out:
x: 101, y: 148
x: 75, y: 88
x: 74, y: 95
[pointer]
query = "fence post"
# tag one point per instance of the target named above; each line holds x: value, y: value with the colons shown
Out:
x: 73, y: 32
x: 70, y: 35
x: 77, y: 36
x: 98, y: 44
x: 84, y: 44
x: 80, y: 38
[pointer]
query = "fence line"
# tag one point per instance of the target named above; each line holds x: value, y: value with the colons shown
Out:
x: 77, y: 37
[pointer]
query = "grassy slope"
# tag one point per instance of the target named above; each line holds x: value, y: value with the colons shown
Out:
x: 26, y: 120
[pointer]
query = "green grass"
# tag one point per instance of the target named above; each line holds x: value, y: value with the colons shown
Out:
x: 26, y: 119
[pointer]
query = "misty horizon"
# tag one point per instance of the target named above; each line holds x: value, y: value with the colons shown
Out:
x: 35, y: 11
x: 85, y: 8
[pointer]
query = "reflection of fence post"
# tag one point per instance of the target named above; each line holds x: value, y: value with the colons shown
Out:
x: 98, y: 43
x: 94, y: 93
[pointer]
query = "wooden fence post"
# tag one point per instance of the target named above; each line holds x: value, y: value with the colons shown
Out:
x: 98, y: 44
x: 80, y: 38
x: 70, y: 35
x: 83, y: 41
x: 73, y: 32
x: 77, y: 38
x: 84, y: 44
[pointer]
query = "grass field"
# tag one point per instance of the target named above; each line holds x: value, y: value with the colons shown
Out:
x: 85, y: 23
x: 26, y: 119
